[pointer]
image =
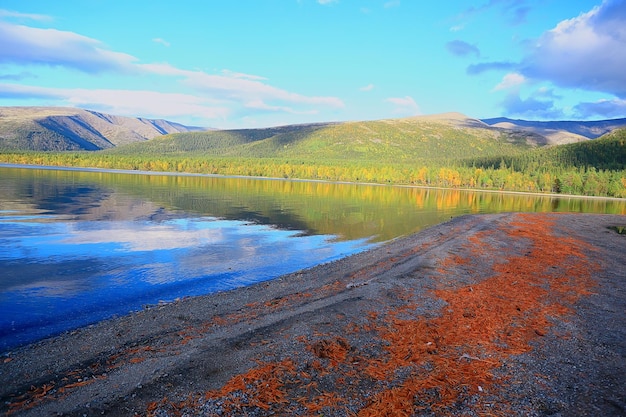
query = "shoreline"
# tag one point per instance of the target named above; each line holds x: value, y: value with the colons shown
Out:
x: 202, y: 355
x: 190, y: 174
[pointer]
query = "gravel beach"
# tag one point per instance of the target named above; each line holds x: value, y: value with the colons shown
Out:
x: 488, y: 315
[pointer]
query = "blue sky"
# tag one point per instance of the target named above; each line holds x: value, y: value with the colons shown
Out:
x: 257, y: 63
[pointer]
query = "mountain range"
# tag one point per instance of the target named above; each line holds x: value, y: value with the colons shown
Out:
x: 560, y: 132
x: 69, y: 129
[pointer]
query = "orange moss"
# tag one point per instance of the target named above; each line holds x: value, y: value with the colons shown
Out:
x: 448, y: 358
x: 263, y: 385
x: 78, y: 384
x: 30, y: 399
x: 335, y: 350
x: 413, y: 363
x: 326, y: 400
x: 483, y: 323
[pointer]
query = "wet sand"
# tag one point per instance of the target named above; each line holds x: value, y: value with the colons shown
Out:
x: 507, y: 314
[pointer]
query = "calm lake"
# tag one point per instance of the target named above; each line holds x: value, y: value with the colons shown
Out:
x: 77, y: 247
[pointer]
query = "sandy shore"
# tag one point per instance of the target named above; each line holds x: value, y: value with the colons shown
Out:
x: 508, y: 314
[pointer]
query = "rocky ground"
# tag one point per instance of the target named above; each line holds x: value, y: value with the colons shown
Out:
x: 507, y: 314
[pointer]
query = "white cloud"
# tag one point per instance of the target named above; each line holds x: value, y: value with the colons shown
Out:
x: 244, y: 89
x: 29, y: 16
x: 260, y: 105
x: 27, y: 46
x: 161, y: 41
x: 126, y: 102
x: 511, y: 80
x: 209, y: 95
x: 404, y: 105
x: 368, y: 87
x: 587, y: 52
x: 150, y: 238
x: 233, y: 74
x: 327, y: 1
x: 391, y: 3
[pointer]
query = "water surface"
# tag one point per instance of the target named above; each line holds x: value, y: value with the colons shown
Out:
x: 77, y: 247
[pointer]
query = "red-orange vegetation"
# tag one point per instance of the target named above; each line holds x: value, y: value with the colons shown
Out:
x: 485, y: 322
x: 45, y: 392
x: 406, y: 363
x: 335, y: 350
x: 78, y: 384
x: 263, y: 387
x: 30, y: 399
x: 326, y: 400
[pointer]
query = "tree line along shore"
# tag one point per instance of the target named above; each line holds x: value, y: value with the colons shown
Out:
x: 590, y: 168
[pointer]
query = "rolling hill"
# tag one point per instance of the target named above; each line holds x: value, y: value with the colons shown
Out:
x: 445, y: 136
x: 449, y: 135
x: 70, y: 129
x: 447, y: 150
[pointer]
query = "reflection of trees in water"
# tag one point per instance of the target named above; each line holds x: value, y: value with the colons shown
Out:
x: 68, y: 196
x: 351, y: 211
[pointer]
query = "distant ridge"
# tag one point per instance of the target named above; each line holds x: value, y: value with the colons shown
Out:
x: 71, y: 129
x: 65, y: 129
x: 559, y: 132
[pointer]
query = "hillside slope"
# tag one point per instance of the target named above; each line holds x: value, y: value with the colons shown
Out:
x: 607, y: 152
x: 446, y: 136
x: 64, y: 129
x: 449, y: 136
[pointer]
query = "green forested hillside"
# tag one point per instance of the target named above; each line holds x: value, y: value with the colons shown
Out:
x: 217, y: 142
x: 454, y: 152
x: 596, y: 167
x: 605, y: 153
x: 393, y: 141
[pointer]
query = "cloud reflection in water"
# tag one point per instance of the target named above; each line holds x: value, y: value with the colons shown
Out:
x: 59, y: 274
